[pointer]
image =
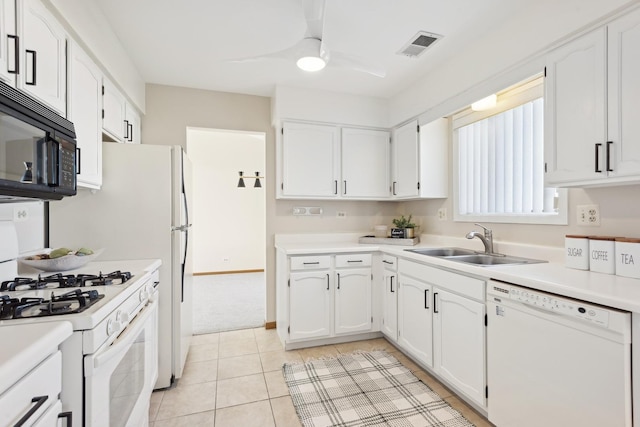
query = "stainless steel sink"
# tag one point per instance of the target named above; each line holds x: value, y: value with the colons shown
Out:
x: 442, y: 252
x: 484, y: 260
x: 471, y: 257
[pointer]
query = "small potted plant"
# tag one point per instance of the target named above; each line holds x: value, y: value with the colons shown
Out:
x: 403, y: 228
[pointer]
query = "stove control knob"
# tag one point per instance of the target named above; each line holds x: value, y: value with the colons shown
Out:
x: 113, y: 326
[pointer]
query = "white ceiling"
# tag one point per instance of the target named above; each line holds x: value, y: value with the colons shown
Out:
x: 190, y: 43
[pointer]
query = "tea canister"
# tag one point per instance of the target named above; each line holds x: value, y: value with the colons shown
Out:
x: 576, y: 251
x: 628, y: 257
x: 602, y: 254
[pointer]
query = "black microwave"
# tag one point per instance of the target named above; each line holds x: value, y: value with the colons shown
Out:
x: 38, y: 153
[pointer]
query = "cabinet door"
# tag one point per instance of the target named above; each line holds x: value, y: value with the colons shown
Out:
x: 459, y: 343
x: 85, y: 98
x: 310, y: 305
x: 353, y: 300
x: 575, y: 111
x: 405, y: 161
x: 434, y: 159
x: 9, y: 46
x: 113, y: 111
x: 309, y: 160
x: 390, y: 305
x: 366, y: 164
x: 132, y: 125
x: 43, y: 55
x: 624, y: 95
x: 415, y: 333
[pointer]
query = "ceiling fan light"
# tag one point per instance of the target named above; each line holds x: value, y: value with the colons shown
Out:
x: 311, y: 63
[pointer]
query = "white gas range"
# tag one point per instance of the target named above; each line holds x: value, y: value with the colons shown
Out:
x: 110, y: 362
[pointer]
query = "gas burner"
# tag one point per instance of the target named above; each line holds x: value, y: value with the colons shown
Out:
x: 75, y: 301
x: 59, y: 280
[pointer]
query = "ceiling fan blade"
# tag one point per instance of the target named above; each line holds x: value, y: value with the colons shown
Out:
x: 357, y: 63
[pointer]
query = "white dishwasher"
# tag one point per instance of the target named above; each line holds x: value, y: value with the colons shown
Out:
x: 556, y: 361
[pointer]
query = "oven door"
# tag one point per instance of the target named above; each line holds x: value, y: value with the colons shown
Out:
x: 119, y: 378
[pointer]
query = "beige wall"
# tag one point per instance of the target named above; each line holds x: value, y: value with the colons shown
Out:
x: 170, y: 110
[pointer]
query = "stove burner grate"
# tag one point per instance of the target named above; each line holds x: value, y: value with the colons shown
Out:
x: 59, y: 280
x: 75, y: 301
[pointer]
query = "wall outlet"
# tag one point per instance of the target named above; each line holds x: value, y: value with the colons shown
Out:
x: 588, y: 215
x: 442, y: 214
x: 225, y: 259
x: 341, y: 214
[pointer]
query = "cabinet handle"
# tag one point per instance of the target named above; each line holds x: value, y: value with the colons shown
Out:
x: 126, y: 130
x: 387, y: 262
x: 68, y: 416
x: 392, y: 284
x: 609, y: 156
x: 345, y: 186
x: 435, y: 307
x: 327, y: 282
x: 311, y: 263
x: 394, y: 188
x: 39, y: 401
x: 335, y: 187
x: 355, y: 260
x: 338, y: 280
x: 598, y: 145
x: 130, y: 132
x: 78, y: 160
x: 34, y: 67
x: 16, y: 54
x: 426, y: 298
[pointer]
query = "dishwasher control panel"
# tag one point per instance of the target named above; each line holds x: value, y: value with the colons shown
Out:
x: 565, y: 306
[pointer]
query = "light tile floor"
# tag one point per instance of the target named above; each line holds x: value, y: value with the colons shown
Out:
x: 235, y: 379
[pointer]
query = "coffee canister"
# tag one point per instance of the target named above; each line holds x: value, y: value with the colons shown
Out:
x: 576, y: 251
x: 628, y: 257
x: 602, y: 254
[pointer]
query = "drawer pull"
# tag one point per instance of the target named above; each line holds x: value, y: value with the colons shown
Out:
x: 355, y: 260
x: 311, y: 263
x: 387, y: 262
x: 39, y: 401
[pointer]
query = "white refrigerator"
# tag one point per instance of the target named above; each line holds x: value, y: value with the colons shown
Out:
x: 142, y: 211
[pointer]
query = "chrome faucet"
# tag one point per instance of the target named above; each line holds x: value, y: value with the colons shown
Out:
x: 487, y: 238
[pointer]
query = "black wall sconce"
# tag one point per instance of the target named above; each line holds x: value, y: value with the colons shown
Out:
x: 257, y: 178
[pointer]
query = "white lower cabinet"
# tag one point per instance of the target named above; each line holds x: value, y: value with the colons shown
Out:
x: 415, y: 318
x: 310, y: 305
x: 390, y: 297
x: 353, y: 300
x: 328, y: 296
x: 459, y: 343
x: 441, y: 322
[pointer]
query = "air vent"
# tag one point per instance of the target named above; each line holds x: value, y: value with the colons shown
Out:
x: 418, y: 44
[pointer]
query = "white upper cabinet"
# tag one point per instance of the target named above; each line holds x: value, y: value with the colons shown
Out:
x: 365, y: 158
x: 42, y: 67
x: 85, y: 100
x: 132, y: 125
x: 9, y: 48
x: 113, y: 111
x: 420, y: 160
x: 309, y: 161
x: 591, y: 100
x: 406, y: 181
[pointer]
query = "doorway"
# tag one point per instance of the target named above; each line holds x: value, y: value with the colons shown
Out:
x: 229, y: 229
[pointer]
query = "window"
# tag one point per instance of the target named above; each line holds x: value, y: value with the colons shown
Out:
x: 499, y: 162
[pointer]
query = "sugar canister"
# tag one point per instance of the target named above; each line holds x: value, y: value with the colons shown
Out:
x: 576, y: 251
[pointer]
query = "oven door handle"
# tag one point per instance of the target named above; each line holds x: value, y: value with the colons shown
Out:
x: 122, y: 344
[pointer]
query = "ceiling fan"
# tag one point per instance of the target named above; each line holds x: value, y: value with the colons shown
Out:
x: 311, y: 53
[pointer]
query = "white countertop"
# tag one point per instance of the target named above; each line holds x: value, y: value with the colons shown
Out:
x: 25, y: 346
x: 605, y: 289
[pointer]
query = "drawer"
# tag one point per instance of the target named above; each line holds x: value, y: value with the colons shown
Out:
x: 353, y: 260
x: 390, y: 262
x: 311, y: 262
x: 459, y: 283
x: 44, y: 382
